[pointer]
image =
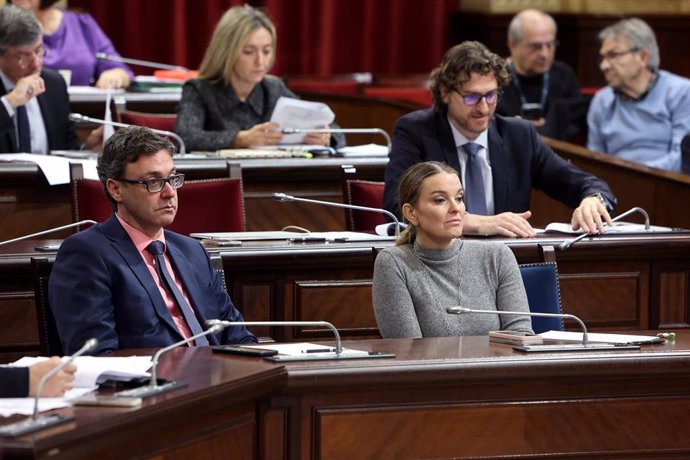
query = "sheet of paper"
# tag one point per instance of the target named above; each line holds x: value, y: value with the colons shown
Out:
x: 616, y: 228
x: 366, y: 150
x: 282, y: 235
x: 296, y: 113
x: 89, y: 368
x: 297, y: 349
x: 55, y: 168
x: 600, y: 337
x: 25, y: 406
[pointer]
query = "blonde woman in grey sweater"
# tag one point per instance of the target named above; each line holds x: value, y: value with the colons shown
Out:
x: 432, y: 267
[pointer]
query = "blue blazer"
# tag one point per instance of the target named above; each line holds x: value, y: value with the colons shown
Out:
x: 519, y: 160
x: 14, y: 382
x: 54, y: 103
x: 100, y: 287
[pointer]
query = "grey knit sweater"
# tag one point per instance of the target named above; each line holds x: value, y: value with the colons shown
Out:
x: 413, y: 286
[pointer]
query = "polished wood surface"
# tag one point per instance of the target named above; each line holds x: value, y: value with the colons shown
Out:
x: 212, y: 417
x: 449, y: 397
x: 634, y: 282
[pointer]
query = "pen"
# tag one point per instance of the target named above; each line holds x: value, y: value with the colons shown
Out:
x: 319, y: 350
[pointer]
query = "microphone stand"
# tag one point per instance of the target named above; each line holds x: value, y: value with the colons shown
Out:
x: 285, y: 197
x: 341, y: 130
x: 50, y: 230
x: 566, y: 244
x: 38, y: 422
x: 83, y: 118
x: 153, y: 65
x: 153, y: 388
x: 585, y: 346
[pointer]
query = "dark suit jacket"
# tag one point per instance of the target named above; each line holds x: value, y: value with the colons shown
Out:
x: 54, y: 103
x: 100, y: 287
x: 519, y: 160
x: 14, y: 382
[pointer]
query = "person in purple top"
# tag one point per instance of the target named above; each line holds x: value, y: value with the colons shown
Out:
x: 72, y: 41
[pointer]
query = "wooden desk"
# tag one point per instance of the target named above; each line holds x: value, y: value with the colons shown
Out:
x: 28, y: 204
x: 438, y: 398
x: 213, y: 417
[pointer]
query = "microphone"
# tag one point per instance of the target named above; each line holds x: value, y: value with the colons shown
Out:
x: 566, y: 244
x: 76, y: 117
x: 338, y: 343
x: 37, y: 422
x: 50, y: 230
x: 153, y: 65
x: 285, y: 197
x: 341, y: 130
x: 585, y: 346
x: 153, y: 388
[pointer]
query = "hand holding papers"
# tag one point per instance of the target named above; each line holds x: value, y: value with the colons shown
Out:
x: 292, y: 113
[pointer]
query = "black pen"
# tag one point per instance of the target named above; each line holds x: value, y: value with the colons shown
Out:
x: 319, y: 350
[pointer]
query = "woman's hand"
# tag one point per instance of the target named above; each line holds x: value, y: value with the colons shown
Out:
x: 113, y: 79
x: 261, y: 134
x: 318, y: 138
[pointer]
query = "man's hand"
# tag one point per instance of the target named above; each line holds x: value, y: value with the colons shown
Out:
x: 58, y: 384
x: 25, y: 89
x: 262, y: 134
x: 94, y: 141
x: 505, y: 224
x: 590, y: 216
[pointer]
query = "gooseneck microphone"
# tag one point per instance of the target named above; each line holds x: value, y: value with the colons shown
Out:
x: 76, y: 117
x: 153, y: 65
x: 153, y: 388
x: 338, y: 343
x: 50, y: 230
x: 341, y: 130
x: 38, y: 422
x: 285, y: 197
x: 585, y: 346
x: 567, y: 244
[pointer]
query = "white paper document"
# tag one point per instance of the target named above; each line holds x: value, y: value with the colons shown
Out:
x: 25, y: 406
x: 305, y: 348
x: 295, y: 113
x: 616, y: 228
x: 604, y: 338
x: 55, y: 168
x: 366, y: 150
x: 299, y: 237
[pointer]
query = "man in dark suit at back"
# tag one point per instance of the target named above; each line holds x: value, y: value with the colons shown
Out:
x: 499, y: 159
x: 128, y: 282
x: 34, y: 108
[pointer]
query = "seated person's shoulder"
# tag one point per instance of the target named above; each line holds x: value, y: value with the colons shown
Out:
x: 271, y: 81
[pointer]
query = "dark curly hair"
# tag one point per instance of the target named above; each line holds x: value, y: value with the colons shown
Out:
x: 458, y: 65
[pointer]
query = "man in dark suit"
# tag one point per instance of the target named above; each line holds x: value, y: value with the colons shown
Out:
x: 128, y: 282
x: 34, y: 113
x: 499, y: 159
x: 19, y: 382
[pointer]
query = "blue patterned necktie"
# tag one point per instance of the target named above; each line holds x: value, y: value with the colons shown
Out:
x: 474, y: 181
x: 156, y: 248
x: 23, y: 130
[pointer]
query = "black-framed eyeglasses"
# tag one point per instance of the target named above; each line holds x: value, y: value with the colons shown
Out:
x: 491, y: 97
x: 611, y: 55
x: 537, y: 46
x: 156, y: 184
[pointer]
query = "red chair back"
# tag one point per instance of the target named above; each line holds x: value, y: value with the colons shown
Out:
x: 210, y: 205
x: 163, y: 121
x: 416, y: 95
x: 364, y: 193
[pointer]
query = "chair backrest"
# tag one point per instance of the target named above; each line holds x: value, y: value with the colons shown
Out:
x: 164, y: 121
x: 208, y: 205
x: 48, y: 336
x: 543, y: 294
x: 685, y: 155
x: 363, y: 193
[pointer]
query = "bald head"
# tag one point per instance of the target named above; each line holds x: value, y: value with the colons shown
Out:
x: 532, y: 42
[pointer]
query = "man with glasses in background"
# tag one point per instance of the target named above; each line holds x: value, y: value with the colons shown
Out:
x: 644, y: 113
x: 542, y: 90
x: 128, y: 282
x: 499, y: 159
x: 34, y: 108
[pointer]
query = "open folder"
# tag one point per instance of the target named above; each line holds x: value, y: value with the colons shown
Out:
x: 625, y: 339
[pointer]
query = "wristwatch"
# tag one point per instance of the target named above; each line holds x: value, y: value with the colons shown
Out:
x: 603, y: 200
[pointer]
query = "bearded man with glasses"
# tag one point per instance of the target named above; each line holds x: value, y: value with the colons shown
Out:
x: 499, y: 159
x: 128, y: 282
x: 34, y: 108
x: 543, y: 90
x: 644, y: 112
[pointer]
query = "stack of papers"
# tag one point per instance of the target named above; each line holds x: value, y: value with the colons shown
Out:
x: 292, y: 113
x: 625, y: 339
x: 616, y: 228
